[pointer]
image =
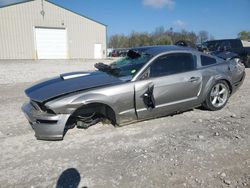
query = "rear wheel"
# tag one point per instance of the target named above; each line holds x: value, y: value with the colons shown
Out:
x: 217, y: 96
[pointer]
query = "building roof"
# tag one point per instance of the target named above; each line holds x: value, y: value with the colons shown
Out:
x: 26, y: 1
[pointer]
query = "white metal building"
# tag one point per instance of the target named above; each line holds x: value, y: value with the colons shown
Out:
x: 40, y: 29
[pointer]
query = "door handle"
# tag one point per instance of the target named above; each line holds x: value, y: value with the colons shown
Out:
x: 194, y: 79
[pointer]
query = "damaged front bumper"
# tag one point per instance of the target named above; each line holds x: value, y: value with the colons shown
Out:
x: 46, y: 126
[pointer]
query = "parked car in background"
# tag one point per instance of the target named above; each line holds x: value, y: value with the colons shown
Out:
x: 114, y: 53
x: 119, y: 52
x: 237, y: 46
x: 149, y: 82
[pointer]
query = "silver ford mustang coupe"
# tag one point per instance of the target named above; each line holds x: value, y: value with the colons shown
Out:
x: 149, y: 82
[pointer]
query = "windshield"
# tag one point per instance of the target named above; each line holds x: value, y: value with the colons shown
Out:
x: 127, y: 66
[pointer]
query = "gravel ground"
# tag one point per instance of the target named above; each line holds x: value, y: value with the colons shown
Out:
x: 194, y: 149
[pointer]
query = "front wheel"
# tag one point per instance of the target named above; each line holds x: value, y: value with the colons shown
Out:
x: 217, y: 96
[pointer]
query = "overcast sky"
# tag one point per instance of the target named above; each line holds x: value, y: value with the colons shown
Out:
x: 221, y: 18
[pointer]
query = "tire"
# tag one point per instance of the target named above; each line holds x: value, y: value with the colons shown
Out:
x: 217, y: 96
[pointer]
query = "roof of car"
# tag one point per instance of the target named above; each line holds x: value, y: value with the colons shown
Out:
x: 155, y: 50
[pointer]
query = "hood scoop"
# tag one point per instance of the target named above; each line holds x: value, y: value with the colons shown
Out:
x: 73, y: 75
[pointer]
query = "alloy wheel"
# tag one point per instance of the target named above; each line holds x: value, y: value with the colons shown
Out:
x: 219, y: 95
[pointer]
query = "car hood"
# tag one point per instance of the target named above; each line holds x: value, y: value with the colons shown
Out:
x: 68, y: 83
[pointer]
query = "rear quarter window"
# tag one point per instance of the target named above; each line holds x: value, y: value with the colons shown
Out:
x: 206, y: 61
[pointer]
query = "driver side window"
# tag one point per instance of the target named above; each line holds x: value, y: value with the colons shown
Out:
x: 172, y: 64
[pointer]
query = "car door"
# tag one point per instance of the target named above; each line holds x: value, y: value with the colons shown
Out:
x: 171, y: 83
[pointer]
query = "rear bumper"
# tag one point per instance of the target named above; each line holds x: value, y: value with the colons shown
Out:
x: 46, y: 126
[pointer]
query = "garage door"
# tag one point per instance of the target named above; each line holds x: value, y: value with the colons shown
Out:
x: 51, y: 43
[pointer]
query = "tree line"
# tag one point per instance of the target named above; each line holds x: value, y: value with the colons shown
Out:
x: 162, y: 36
x: 244, y: 35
